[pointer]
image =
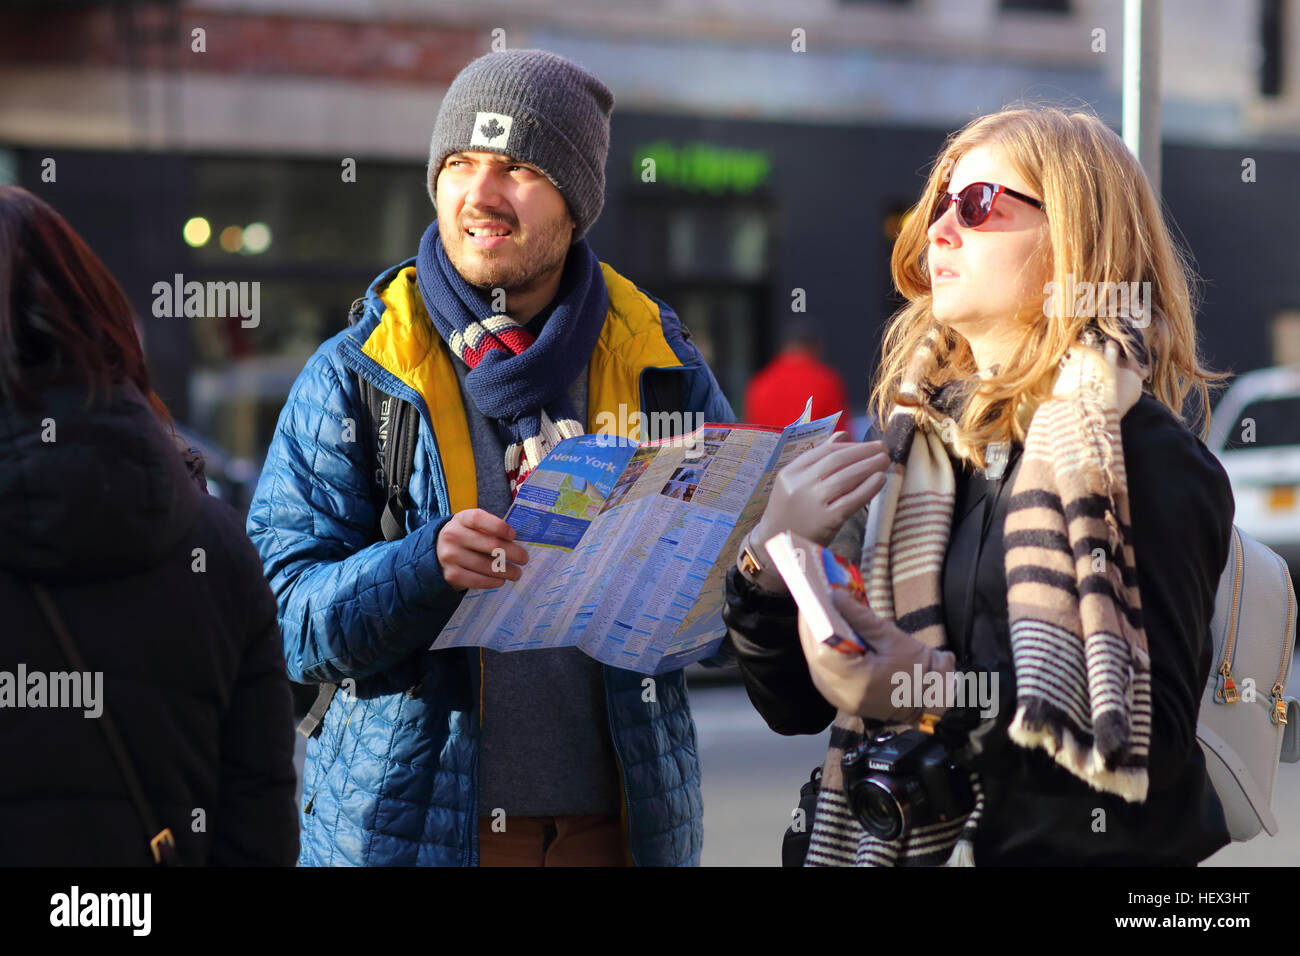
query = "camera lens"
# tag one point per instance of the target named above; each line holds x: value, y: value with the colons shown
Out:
x: 879, y: 810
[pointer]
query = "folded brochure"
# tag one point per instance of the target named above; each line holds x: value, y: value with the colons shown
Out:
x: 813, y: 573
x: 629, y: 544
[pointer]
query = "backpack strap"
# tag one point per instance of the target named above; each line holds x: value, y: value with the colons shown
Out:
x: 312, y: 721
x: 393, y: 427
x: 162, y: 845
x: 395, y: 447
x: 1260, y: 802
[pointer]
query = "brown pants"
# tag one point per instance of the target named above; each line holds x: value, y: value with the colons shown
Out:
x: 553, y: 841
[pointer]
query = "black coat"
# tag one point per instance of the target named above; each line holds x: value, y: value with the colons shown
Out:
x: 1036, y: 812
x: 108, y: 517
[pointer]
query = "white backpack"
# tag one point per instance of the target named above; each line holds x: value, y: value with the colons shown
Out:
x: 1246, y: 725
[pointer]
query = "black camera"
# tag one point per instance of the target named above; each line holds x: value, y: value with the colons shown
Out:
x: 897, y: 781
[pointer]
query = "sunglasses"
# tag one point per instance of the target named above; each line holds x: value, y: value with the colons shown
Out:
x: 975, y: 203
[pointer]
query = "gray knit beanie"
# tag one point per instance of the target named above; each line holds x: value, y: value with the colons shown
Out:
x: 539, y: 108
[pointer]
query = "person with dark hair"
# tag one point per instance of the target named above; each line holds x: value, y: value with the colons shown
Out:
x: 142, y: 691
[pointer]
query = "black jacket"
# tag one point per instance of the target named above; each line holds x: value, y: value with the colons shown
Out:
x: 1036, y: 812
x: 163, y: 593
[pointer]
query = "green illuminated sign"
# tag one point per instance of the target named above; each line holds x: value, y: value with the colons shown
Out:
x: 702, y: 166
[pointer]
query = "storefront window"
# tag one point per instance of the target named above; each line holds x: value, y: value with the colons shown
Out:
x: 709, y: 257
x: 312, y: 243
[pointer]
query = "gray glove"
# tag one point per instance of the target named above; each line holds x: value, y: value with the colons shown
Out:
x: 814, y: 495
x: 864, y: 684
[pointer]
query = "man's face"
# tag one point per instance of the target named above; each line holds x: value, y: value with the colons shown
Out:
x: 503, y: 223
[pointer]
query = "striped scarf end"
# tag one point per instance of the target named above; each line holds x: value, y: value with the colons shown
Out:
x: 1079, y: 755
x: 963, y: 854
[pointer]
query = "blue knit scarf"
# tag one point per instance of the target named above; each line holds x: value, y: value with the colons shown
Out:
x: 519, y: 380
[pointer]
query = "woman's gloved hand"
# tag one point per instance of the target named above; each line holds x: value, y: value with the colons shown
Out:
x: 862, y: 684
x: 815, y: 494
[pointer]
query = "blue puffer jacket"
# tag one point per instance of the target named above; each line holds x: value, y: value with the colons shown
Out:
x: 391, y: 778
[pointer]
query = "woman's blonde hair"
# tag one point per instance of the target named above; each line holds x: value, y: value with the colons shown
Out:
x: 1104, y: 224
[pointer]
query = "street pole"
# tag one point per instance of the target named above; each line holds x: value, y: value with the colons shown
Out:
x: 1142, y: 85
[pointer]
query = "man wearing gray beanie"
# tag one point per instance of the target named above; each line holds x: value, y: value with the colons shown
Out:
x: 397, y: 456
x: 536, y: 107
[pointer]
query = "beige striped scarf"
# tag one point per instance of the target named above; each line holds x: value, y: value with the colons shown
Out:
x: 1083, y: 687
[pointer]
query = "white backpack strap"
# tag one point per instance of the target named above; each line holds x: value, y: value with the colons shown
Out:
x: 1259, y: 802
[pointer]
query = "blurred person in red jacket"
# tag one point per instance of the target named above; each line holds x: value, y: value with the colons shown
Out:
x: 777, y: 394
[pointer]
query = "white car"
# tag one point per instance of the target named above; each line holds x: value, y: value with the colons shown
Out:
x: 1255, y: 432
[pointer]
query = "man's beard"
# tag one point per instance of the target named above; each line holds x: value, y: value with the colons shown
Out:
x: 546, y: 250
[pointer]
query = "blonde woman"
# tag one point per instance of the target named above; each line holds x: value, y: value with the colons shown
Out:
x: 1041, y: 539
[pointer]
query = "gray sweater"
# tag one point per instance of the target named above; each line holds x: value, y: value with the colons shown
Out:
x: 545, y: 747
